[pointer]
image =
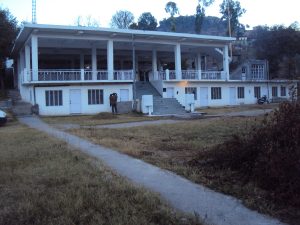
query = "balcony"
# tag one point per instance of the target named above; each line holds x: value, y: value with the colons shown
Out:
x: 75, y: 76
x: 193, y: 75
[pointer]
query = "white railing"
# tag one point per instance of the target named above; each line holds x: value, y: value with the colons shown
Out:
x: 58, y: 75
x: 95, y: 75
x: 68, y: 75
x: 190, y: 74
x: 123, y: 75
x: 211, y: 75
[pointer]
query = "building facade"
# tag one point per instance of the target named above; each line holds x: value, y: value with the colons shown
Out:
x: 73, y: 70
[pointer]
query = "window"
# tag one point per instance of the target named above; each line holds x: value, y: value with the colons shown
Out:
x: 282, y: 91
x: 274, y: 92
x: 241, y: 92
x: 257, y: 92
x: 53, y: 98
x: 257, y: 71
x: 95, y: 96
x: 191, y: 90
x: 216, y: 93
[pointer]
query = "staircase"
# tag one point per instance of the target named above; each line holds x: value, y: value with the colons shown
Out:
x: 167, y: 106
x: 161, y: 106
x: 20, y: 108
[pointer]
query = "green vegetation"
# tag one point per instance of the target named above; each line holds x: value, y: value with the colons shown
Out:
x: 42, y: 181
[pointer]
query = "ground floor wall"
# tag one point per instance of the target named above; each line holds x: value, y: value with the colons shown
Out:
x: 214, y: 94
x: 92, y: 99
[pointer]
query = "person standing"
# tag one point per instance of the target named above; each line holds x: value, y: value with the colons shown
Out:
x: 113, y: 98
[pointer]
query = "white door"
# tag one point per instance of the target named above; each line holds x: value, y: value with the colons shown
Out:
x: 124, y: 95
x: 170, y: 92
x: 203, y: 96
x: 232, y: 96
x: 75, y: 101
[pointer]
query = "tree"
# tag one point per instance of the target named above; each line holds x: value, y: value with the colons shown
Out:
x: 281, y: 47
x: 147, y: 22
x: 200, y: 13
x: 122, y: 19
x: 9, y: 30
x: 232, y: 11
x: 87, y: 21
x: 172, y: 8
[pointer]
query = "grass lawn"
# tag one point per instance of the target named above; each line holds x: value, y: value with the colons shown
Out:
x: 99, y: 119
x: 239, y: 108
x: 42, y: 181
x: 174, y: 146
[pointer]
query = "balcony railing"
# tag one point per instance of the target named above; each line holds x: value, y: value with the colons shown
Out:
x: 75, y: 75
x: 192, y: 75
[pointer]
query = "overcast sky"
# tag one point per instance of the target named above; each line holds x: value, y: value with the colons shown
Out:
x: 64, y: 12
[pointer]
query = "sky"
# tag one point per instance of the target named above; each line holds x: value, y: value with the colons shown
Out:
x: 65, y: 12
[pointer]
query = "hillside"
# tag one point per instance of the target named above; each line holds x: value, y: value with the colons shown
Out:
x: 186, y: 24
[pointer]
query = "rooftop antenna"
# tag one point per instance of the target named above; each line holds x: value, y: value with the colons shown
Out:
x: 33, y: 11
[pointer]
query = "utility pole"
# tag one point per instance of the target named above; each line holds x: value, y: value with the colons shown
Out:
x: 33, y: 11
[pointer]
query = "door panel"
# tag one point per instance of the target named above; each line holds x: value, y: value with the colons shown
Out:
x: 170, y: 92
x: 203, y: 96
x: 232, y: 96
x: 75, y: 101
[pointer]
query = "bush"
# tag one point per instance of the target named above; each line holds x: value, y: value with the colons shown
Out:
x: 269, y: 155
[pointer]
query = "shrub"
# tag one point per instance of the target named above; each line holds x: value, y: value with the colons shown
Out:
x: 269, y: 155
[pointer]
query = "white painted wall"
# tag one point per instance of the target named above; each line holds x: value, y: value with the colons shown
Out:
x: 86, y: 109
x: 179, y: 91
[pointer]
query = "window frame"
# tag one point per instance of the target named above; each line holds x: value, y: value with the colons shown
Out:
x: 240, y: 92
x: 53, y: 98
x: 216, y: 93
x: 274, y: 91
x: 257, y: 88
x: 95, y: 97
x: 281, y: 91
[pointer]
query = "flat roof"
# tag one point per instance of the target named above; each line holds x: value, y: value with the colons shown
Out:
x: 112, y: 33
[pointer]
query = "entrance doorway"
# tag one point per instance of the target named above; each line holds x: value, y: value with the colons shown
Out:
x: 75, y: 101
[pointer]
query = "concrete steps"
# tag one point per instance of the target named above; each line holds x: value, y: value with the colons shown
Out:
x: 161, y: 106
x: 167, y: 106
x: 145, y: 88
x: 14, y: 95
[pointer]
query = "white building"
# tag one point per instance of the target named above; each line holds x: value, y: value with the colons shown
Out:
x: 73, y: 70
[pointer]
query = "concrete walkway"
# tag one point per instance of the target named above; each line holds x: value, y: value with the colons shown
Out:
x: 214, y: 208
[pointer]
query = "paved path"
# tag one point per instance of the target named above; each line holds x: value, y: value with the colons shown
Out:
x: 213, y: 207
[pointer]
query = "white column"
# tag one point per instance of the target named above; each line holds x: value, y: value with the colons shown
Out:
x: 198, y: 67
x: 81, y: 61
x: 35, y: 57
x: 178, y: 61
x: 226, y: 62
x: 154, y: 64
x: 137, y: 75
x: 27, y: 57
x: 94, y: 62
x: 110, y: 59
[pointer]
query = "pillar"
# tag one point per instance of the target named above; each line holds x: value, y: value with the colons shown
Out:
x: 35, y: 58
x: 27, y: 62
x: 198, y: 65
x: 178, y: 61
x: 110, y: 59
x: 154, y: 64
x: 226, y: 62
x: 94, y: 63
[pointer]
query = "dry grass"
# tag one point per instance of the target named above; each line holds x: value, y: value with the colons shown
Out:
x: 43, y: 182
x: 99, y: 119
x: 170, y: 146
x: 239, y: 108
x: 174, y: 147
